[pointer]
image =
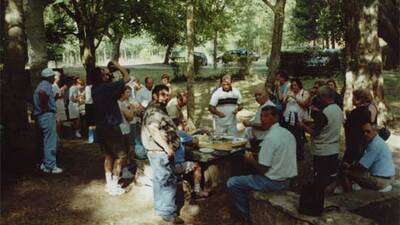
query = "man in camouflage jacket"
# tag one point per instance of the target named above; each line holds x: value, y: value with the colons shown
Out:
x: 159, y: 137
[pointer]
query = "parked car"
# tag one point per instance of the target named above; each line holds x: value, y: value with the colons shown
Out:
x: 232, y: 55
x: 198, y: 56
x: 201, y: 57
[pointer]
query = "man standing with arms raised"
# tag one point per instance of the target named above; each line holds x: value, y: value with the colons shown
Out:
x: 108, y: 119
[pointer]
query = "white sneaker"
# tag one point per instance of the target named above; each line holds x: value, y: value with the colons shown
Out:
x: 356, y: 187
x: 386, y: 189
x: 78, y: 134
x: 44, y: 169
x: 115, y: 190
x: 55, y: 170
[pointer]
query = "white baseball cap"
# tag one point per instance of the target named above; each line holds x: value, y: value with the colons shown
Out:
x: 47, y: 72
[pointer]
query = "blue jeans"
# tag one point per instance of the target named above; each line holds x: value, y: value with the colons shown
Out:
x: 47, y: 123
x: 164, y: 185
x: 240, y: 186
x: 136, y: 139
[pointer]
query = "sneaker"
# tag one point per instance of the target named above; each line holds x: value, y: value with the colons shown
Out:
x: 356, y: 187
x: 55, y: 170
x: 386, y: 189
x: 175, y: 220
x: 115, y: 190
x: 78, y: 134
x: 44, y: 169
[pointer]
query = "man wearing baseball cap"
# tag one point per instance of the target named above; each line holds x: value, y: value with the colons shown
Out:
x: 45, y: 114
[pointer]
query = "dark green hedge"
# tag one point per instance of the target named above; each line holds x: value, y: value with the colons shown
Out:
x: 312, y: 62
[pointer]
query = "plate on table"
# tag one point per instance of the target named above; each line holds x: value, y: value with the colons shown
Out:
x: 206, y: 150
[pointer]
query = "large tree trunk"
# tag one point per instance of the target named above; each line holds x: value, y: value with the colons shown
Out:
x: 366, y: 71
x: 352, y: 11
x: 14, y: 81
x: 389, y: 29
x: 215, y: 49
x: 190, y: 65
x: 88, y: 54
x: 168, y: 54
x: 276, y: 43
x: 36, y: 34
x: 116, y: 48
x: 371, y: 56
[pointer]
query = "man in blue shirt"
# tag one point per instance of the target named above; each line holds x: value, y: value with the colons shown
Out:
x: 376, y: 169
x: 45, y: 113
x: 107, y: 119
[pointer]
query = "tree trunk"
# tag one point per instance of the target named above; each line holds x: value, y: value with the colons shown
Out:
x: 88, y: 54
x: 352, y: 11
x: 389, y: 30
x: 371, y: 56
x: 215, y: 50
x: 14, y: 80
x: 333, y: 40
x: 190, y: 65
x: 327, y: 42
x: 366, y: 71
x: 168, y: 54
x: 116, y: 48
x: 36, y: 34
x: 279, y: 18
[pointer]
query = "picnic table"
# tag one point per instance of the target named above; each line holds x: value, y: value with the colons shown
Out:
x: 218, y: 166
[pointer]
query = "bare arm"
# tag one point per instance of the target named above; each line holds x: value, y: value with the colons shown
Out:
x: 250, y: 160
x: 128, y: 113
x: 215, y: 111
x: 124, y: 72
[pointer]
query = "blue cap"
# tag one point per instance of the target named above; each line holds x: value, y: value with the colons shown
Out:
x: 47, y: 72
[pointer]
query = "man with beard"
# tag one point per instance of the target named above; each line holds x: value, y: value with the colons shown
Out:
x: 159, y: 136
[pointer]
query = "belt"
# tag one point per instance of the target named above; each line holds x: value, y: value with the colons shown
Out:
x: 387, y: 178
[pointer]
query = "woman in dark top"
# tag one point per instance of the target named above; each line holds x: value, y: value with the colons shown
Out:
x: 352, y: 126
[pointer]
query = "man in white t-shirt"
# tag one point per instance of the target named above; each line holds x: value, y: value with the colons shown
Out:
x: 276, y: 163
x: 254, y: 130
x: 224, y: 104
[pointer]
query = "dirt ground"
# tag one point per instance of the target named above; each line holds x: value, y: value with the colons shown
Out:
x: 78, y: 197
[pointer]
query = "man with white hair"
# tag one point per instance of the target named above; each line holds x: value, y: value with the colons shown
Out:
x: 45, y: 114
x: 224, y: 104
x: 254, y: 130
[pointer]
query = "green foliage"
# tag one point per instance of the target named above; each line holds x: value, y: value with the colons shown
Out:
x: 59, y: 29
x: 314, y: 20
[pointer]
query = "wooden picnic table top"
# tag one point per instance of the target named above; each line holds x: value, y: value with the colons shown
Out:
x: 216, y: 155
